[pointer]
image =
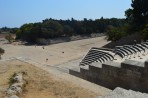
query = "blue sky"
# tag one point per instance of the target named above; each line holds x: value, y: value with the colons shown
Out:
x: 14, y: 13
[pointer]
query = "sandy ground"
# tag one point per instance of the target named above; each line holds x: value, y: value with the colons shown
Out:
x: 52, y: 82
x: 41, y: 84
x: 54, y: 53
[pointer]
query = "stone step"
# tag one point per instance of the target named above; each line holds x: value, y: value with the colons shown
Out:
x: 94, y: 54
x: 133, y: 65
x: 84, y: 69
x: 95, y: 67
x: 75, y: 71
x: 111, y: 64
x: 96, y: 64
x: 80, y: 71
x: 104, y: 49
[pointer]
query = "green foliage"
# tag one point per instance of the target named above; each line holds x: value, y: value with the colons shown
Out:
x: 12, y: 80
x: 51, y: 28
x: 137, y: 16
x: 129, y: 15
x: 115, y: 34
x: 5, y: 29
x: 10, y: 30
x: 144, y: 32
x: 68, y: 30
x: 140, y: 11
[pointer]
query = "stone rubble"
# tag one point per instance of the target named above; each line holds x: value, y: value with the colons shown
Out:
x: 122, y: 93
x: 16, y: 88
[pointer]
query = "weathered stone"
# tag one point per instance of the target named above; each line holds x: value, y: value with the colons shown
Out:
x: 18, y: 84
x: 15, y: 89
x: 122, y: 93
x: 18, y: 77
x: 133, y: 65
x: 11, y: 92
x: 125, y: 73
x: 14, y: 96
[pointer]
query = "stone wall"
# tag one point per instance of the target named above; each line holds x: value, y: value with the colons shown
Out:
x: 128, y: 74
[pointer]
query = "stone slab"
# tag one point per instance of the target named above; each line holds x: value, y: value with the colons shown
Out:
x: 112, y: 64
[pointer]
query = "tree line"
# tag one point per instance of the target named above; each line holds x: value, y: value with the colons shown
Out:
x: 8, y: 30
x: 136, y: 22
x: 53, y: 28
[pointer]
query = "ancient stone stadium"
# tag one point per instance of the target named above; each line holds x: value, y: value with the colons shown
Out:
x: 125, y: 66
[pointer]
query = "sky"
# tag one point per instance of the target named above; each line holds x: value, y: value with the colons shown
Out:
x: 14, y: 13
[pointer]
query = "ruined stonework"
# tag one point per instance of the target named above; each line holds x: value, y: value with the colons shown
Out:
x: 126, y: 67
x: 122, y: 93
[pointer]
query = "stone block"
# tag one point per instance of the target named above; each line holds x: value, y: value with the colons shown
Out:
x: 75, y: 72
x: 133, y: 65
x: 146, y: 64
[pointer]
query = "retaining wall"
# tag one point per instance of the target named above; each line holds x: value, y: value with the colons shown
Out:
x: 128, y: 74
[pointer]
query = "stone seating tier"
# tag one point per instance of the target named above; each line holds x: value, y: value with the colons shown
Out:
x: 103, y: 67
x: 95, y: 54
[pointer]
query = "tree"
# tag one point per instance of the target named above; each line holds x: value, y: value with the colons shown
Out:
x: 51, y: 28
x: 137, y: 17
x: 26, y: 32
x: 129, y: 15
x: 140, y: 11
x: 68, y: 30
x: 138, y: 14
x: 2, y: 51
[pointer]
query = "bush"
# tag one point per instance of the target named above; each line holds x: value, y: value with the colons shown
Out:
x: 42, y: 41
x: 11, y: 79
x: 115, y: 34
x: 2, y: 51
x: 144, y: 33
x: 9, y: 38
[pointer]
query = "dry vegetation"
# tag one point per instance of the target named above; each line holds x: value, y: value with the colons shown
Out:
x: 40, y: 83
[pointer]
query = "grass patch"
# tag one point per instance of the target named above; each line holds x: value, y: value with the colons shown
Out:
x: 12, y: 80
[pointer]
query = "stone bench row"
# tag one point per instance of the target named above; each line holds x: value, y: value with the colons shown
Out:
x: 96, y: 55
x: 129, y: 50
x: 102, y: 55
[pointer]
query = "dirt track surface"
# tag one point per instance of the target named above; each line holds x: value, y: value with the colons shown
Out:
x: 56, y: 53
x: 58, y: 56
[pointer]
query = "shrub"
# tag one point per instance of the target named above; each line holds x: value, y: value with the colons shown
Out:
x: 144, y: 33
x: 12, y: 80
x: 2, y: 51
x: 115, y: 34
x: 9, y: 38
x: 42, y: 41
